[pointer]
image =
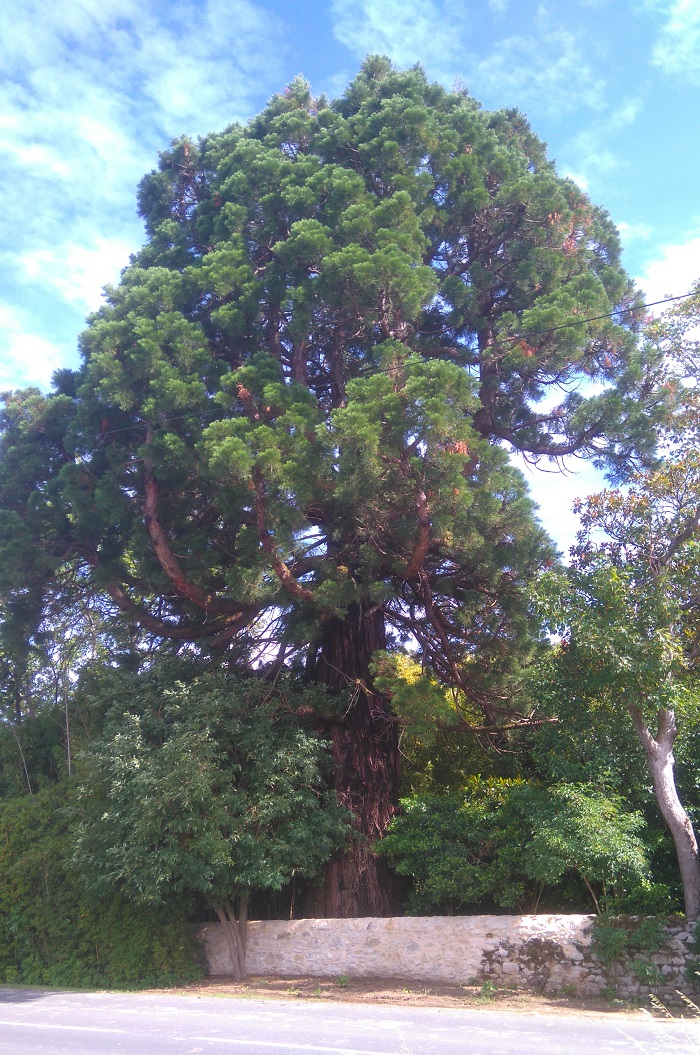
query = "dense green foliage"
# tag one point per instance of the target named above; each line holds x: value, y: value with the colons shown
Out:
x: 203, y: 786
x: 516, y: 846
x: 197, y: 790
x: 53, y: 933
x: 296, y: 398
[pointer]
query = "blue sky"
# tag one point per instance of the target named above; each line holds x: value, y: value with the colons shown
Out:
x: 90, y: 90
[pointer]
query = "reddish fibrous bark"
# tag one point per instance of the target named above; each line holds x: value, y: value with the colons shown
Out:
x: 169, y: 563
x: 366, y: 763
x: 422, y: 544
x: 281, y: 569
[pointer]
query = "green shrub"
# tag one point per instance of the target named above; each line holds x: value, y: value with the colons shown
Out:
x: 625, y: 942
x: 508, y: 843
x: 52, y: 933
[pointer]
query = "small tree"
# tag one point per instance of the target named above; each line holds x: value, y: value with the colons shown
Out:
x: 628, y: 613
x: 204, y: 788
x: 577, y: 829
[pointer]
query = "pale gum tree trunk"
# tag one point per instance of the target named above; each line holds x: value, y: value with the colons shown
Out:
x: 660, y: 761
x: 235, y: 930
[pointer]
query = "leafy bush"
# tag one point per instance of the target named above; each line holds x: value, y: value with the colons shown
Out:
x: 203, y: 786
x: 508, y: 843
x: 52, y: 933
x: 450, y: 847
x: 627, y: 942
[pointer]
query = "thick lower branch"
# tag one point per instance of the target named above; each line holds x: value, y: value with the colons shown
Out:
x: 167, y: 559
x: 281, y: 569
x: 422, y: 545
x: 225, y: 627
x: 162, y: 550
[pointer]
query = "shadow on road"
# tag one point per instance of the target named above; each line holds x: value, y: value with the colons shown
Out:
x: 23, y: 996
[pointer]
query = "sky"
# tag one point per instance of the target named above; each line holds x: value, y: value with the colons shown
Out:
x: 91, y: 90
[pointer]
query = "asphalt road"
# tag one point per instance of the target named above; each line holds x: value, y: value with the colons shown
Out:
x: 33, y: 1022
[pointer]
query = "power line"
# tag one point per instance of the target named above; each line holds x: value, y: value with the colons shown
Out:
x: 597, y: 318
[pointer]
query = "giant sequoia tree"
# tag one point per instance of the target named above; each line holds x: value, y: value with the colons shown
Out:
x: 287, y: 440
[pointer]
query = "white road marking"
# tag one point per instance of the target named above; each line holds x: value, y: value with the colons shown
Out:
x: 78, y: 1029
x: 209, y: 1040
x: 296, y: 1047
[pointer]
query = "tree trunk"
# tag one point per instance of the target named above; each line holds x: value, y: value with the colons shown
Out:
x: 660, y: 761
x: 366, y: 763
x: 235, y: 930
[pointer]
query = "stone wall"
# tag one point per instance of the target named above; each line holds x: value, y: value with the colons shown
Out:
x: 542, y: 953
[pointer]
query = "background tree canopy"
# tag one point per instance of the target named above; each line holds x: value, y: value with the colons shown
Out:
x: 287, y: 443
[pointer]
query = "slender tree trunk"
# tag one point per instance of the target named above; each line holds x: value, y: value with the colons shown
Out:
x: 591, y: 891
x: 67, y: 717
x: 660, y: 761
x: 243, y: 932
x: 366, y: 763
x: 235, y: 930
x: 21, y: 755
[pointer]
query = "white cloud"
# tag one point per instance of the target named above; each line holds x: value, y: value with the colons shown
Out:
x: 407, y: 30
x: 438, y: 33
x: 561, y: 80
x: 26, y: 357
x: 677, y: 49
x: 555, y: 493
x: 42, y: 159
x: 78, y: 272
x: 590, y: 158
x: 107, y: 140
x: 592, y: 164
x: 620, y: 116
x: 625, y: 114
x: 634, y: 232
x: 673, y: 272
